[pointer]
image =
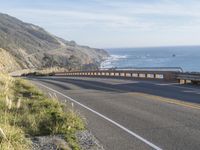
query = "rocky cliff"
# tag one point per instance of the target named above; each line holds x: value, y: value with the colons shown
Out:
x: 30, y: 46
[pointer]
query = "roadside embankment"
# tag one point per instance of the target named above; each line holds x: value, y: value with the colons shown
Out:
x: 26, y: 113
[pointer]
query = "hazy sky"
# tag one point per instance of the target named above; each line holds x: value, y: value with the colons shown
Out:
x: 113, y: 23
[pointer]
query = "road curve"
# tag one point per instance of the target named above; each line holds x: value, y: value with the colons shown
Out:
x: 131, y: 114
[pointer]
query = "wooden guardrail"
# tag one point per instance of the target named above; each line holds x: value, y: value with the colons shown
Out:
x: 189, y: 78
x: 168, y: 74
x: 159, y: 75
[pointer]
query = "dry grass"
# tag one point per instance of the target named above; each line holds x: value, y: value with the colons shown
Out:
x: 26, y: 111
x: 43, y: 72
x: 11, y: 137
x: 14, y: 138
x: 7, y: 62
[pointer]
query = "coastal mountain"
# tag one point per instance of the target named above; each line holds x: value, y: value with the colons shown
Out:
x: 24, y: 45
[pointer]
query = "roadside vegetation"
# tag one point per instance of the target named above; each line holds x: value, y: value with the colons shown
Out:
x: 50, y: 71
x: 26, y: 112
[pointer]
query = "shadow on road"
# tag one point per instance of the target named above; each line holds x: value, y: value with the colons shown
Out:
x: 172, y: 92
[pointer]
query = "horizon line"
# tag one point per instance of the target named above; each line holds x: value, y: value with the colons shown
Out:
x: 164, y: 46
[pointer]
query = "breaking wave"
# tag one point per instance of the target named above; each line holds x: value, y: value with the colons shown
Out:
x: 109, y: 62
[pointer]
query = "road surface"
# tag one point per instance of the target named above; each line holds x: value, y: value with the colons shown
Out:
x: 131, y: 114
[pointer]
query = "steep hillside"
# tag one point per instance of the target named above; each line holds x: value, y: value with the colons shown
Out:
x: 30, y: 46
x: 7, y: 62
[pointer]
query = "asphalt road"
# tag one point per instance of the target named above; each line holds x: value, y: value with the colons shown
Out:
x: 133, y: 115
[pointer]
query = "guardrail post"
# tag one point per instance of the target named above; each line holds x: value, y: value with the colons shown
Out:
x: 182, y: 81
x: 142, y: 75
x: 122, y: 74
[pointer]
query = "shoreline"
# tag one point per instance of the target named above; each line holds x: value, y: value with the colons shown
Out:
x: 184, y: 57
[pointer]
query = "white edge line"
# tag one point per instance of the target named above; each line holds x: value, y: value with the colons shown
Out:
x: 106, y: 118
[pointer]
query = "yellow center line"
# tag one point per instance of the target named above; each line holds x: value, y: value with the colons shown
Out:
x: 153, y: 97
x: 167, y: 100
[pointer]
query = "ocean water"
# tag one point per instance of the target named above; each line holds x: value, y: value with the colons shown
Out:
x: 186, y: 57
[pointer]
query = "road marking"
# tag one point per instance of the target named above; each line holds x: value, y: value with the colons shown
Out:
x: 170, y: 84
x: 104, y: 117
x: 168, y: 100
x: 157, y: 98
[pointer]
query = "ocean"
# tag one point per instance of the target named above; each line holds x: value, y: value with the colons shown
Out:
x: 186, y: 57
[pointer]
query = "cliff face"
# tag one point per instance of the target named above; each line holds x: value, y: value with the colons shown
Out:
x: 30, y: 46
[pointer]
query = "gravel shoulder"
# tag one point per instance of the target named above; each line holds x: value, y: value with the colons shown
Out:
x: 86, y: 140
